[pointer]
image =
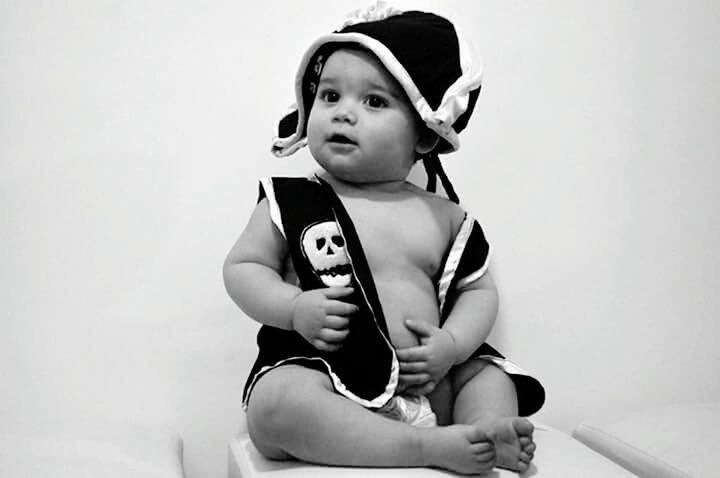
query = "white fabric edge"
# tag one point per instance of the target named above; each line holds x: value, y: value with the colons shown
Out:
x: 473, y: 276
x: 508, y: 366
x: 275, y: 216
x: 378, y: 11
x: 453, y: 261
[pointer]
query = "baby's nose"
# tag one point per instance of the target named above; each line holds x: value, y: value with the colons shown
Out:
x: 344, y: 111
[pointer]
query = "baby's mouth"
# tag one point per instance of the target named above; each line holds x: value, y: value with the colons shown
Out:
x: 340, y: 139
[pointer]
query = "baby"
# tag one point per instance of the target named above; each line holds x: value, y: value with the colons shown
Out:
x: 374, y: 294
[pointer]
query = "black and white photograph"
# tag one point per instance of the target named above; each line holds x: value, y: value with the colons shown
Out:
x: 402, y: 238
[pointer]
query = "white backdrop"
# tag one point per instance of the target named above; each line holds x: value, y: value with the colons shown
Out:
x: 132, y: 135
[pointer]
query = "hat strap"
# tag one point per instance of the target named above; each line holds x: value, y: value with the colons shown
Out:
x: 433, y: 169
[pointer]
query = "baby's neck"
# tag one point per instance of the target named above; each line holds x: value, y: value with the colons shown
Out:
x: 363, y: 188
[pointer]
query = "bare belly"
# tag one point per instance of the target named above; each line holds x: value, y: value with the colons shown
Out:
x: 410, y: 298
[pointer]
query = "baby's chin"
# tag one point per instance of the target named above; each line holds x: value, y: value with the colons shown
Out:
x: 352, y: 173
x: 340, y: 171
x: 346, y: 176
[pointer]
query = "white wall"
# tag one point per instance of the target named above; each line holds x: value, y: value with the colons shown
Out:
x: 132, y: 134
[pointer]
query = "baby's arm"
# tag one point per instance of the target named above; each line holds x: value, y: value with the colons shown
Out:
x: 252, y: 273
x: 465, y: 329
x: 472, y: 316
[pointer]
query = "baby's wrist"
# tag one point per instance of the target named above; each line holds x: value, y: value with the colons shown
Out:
x: 294, y: 310
x: 455, y: 351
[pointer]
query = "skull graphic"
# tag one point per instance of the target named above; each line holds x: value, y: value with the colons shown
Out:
x: 324, y: 247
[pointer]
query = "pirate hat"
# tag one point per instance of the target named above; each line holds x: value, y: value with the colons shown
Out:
x: 426, y: 55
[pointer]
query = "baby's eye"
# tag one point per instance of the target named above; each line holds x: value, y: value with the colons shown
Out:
x: 329, y: 96
x: 375, y: 101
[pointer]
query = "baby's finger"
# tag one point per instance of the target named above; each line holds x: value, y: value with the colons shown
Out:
x: 413, y: 367
x: 332, y: 337
x: 423, y: 329
x: 413, y: 354
x: 336, y: 322
x: 336, y: 307
x: 337, y: 292
x: 414, y: 378
x: 323, y: 346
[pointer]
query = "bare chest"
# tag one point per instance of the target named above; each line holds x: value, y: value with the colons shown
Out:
x: 400, y: 236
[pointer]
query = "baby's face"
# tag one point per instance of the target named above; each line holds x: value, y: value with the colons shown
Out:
x: 361, y: 127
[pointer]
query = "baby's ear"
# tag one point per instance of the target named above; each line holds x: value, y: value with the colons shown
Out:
x: 427, y: 141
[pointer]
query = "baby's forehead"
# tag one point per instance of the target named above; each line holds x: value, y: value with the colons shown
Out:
x: 348, y: 61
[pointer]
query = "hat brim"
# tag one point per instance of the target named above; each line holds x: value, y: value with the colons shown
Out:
x: 458, y: 99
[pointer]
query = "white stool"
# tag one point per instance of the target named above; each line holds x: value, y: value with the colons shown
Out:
x: 557, y: 456
x: 680, y: 441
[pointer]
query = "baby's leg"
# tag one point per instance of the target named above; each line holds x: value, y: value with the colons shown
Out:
x: 486, y: 396
x: 294, y: 412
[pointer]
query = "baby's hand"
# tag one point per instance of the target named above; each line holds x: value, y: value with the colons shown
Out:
x: 422, y: 367
x: 321, y: 319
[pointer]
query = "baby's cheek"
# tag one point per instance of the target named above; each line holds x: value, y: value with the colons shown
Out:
x: 313, y: 142
x: 314, y: 124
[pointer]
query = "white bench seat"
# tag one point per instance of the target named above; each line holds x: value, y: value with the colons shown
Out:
x: 558, y: 455
x: 678, y: 441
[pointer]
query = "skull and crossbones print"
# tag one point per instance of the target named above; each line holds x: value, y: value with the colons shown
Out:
x: 325, y: 249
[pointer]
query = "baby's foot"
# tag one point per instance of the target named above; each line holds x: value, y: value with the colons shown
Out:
x: 514, y: 443
x: 460, y: 448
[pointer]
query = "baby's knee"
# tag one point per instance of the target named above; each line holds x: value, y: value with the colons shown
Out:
x: 279, y: 396
x: 480, y: 370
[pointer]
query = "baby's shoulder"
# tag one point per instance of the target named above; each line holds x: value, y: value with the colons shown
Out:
x: 442, y: 207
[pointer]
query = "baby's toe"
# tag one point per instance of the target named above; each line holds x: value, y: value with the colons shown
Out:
x: 530, y: 448
x: 477, y: 435
x: 483, y: 447
x: 525, y: 441
x: 523, y: 427
x: 522, y: 467
x: 487, y: 458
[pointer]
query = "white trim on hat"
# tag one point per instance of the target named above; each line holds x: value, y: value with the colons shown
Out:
x: 454, y: 102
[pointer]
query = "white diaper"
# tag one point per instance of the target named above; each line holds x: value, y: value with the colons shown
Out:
x: 410, y: 409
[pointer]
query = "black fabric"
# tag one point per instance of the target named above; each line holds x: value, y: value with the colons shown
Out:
x: 364, y: 362
x: 431, y: 174
x: 434, y: 170
x: 463, y: 119
x: 288, y: 124
x: 361, y: 268
x: 474, y: 256
x: 425, y: 44
x: 302, y: 204
x: 530, y: 392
